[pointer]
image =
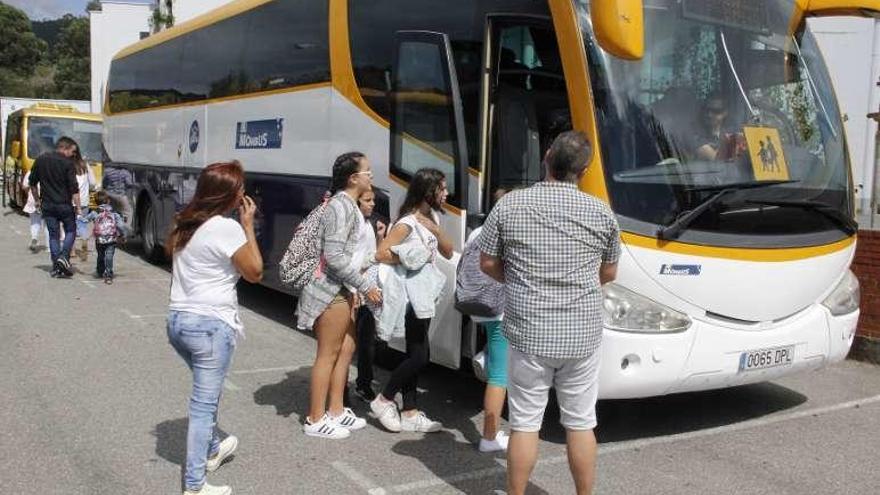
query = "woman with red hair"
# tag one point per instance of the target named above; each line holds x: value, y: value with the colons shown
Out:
x: 210, y: 251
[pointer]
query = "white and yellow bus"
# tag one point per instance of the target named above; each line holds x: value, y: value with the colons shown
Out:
x: 32, y: 131
x: 718, y: 143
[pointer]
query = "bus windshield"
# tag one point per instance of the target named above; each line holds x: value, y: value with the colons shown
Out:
x: 44, y: 132
x: 724, y: 97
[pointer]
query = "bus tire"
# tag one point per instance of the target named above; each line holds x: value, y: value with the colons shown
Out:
x: 149, y: 234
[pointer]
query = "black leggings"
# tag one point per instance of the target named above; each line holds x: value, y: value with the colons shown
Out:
x: 405, y: 377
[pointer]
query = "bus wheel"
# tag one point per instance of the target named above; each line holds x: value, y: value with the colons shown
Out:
x: 152, y: 249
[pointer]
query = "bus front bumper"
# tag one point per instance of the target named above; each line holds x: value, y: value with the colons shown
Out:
x: 709, y: 354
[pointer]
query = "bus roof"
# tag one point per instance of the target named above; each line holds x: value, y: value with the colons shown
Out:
x: 56, y: 110
x: 226, y: 11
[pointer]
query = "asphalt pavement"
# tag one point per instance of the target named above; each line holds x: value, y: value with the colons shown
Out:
x: 94, y: 402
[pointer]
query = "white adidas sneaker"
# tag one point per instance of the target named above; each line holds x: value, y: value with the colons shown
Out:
x: 325, y: 428
x: 349, y: 420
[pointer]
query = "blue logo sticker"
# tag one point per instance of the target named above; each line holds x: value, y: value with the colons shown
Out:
x: 259, y: 134
x: 194, y: 136
x: 691, y: 270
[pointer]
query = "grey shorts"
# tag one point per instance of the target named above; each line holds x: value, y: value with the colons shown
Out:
x: 529, y: 381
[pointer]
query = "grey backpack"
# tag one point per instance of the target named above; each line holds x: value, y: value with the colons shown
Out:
x: 302, y: 258
x: 476, y: 294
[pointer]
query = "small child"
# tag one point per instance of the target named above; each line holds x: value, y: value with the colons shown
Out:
x: 109, y: 229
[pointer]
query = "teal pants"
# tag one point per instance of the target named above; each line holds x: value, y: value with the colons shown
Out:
x: 496, y: 354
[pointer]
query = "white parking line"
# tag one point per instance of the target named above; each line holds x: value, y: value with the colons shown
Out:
x: 640, y: 444
x: 359, y: 478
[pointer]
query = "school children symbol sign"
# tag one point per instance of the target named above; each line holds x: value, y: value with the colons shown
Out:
x: 765, y: 151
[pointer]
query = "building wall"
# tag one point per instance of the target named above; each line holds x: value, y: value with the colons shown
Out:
x: 851, y: 47
x: 185, y: 10
x: 117, y: 25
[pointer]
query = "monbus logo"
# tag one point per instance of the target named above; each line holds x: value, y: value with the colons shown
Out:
x: 259, y: 134
x: 692, y: 270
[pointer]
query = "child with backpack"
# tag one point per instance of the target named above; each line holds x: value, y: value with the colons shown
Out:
x: 109, y: 229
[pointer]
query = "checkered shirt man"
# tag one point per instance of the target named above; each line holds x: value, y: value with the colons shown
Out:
x: 553, y: 239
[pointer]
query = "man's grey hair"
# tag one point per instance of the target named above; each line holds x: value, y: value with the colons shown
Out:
x: 569, y: 156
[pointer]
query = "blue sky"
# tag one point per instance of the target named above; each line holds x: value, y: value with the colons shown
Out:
x: 52, y: 9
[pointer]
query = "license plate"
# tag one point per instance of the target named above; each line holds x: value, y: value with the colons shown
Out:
x: 766, y: 358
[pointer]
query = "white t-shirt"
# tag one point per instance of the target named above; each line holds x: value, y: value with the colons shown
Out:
x: 85, y: 182
x: 203, y: 279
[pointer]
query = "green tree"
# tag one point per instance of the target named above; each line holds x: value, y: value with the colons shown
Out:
x: 20, y: 49
x: 72, y: 60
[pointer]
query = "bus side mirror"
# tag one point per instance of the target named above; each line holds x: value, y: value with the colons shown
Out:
x: 619, y: 27
x: 15, y: 150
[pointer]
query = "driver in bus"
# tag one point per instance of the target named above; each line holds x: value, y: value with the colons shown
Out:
x: 713, y: 139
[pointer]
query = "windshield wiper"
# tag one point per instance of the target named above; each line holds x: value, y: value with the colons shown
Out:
x: 674, y: 229
x: 846, y: 224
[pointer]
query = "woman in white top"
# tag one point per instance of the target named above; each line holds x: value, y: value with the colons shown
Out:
x: 418, y: 222
x: 36, y: 218
x: 85, y: 179
x: 210, y: 251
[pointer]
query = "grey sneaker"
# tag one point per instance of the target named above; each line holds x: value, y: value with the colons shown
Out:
x: 207, y: 489
x: 227, y: 448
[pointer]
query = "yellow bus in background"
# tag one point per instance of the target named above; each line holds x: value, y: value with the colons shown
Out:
x: 34, y: 130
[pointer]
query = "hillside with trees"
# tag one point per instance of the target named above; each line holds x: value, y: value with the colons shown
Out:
x: 44, y: 59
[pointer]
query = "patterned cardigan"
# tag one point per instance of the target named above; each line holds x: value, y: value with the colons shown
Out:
x: 339, y: 239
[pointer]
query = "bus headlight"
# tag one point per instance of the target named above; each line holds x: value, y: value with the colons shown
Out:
x: 845, y: 297
x: 626, y: 311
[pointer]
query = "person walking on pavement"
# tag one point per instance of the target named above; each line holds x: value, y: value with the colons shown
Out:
x: 109, y: 230
x: 35, y: 216
x: 328, y: 302
x: 210, y: 251
x: 553, y: 246
x: 85, y: 178
x: 55, y: 191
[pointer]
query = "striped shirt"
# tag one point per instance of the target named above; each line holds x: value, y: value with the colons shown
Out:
x: 552, y: 239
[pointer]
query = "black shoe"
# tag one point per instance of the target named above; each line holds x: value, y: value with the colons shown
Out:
x: 62, y: 265
x: 366, y: 393
x: 55, y: 273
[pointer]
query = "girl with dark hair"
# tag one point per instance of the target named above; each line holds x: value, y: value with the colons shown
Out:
x: 85, y: 179
x: 418, y: 223
x: 328, y: 302
x: 210, y: 251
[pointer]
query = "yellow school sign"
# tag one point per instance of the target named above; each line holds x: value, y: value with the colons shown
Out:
x: 765, y: 151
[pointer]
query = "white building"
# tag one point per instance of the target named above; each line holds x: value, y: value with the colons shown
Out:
x: 851, y: 46
x: 184, y: 10
x: 118, y: 24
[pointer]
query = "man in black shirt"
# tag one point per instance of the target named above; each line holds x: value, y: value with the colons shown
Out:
x: 58, y: 192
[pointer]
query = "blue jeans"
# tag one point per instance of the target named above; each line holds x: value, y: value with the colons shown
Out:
x: 105, y: 259
x: 56, y: 216
x: 206, y: 345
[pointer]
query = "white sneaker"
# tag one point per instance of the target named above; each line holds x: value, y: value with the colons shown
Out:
x: 325, y: 428
x: 420, y: 423
x: 348, y: 420
x: 210, y: 490
x: 227, y: 448
x: 497, y: 445
x: 386, y: 413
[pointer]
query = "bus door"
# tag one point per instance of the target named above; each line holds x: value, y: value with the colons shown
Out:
x: 12, y: 174
x: 427, y: 130
x: 525, y: 103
